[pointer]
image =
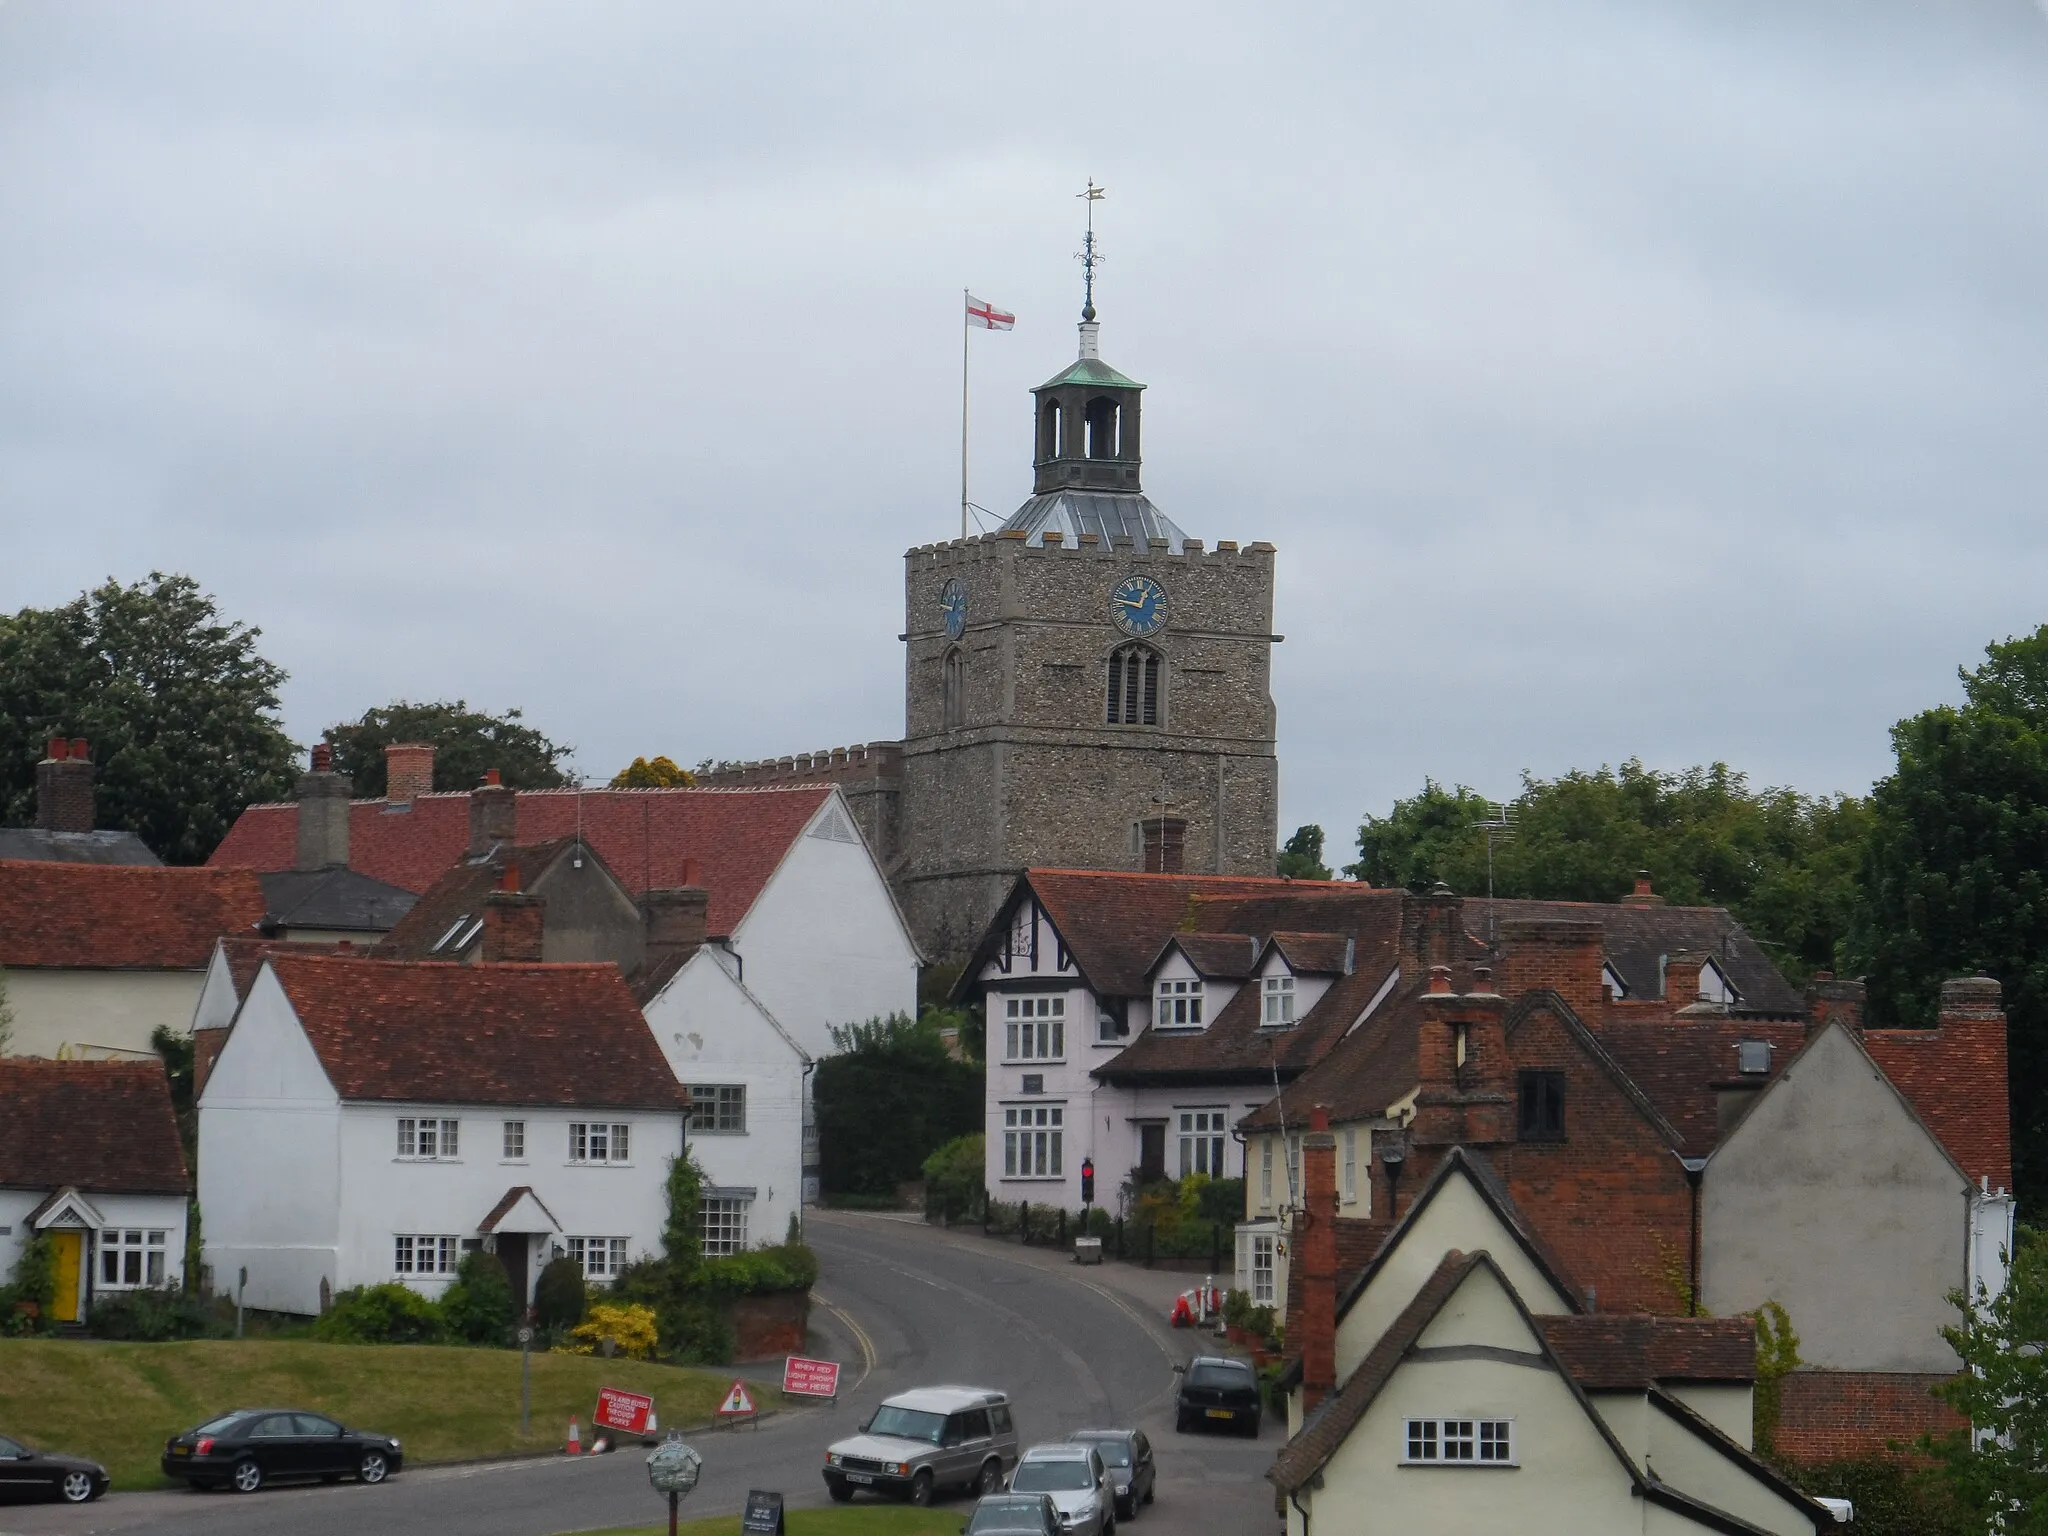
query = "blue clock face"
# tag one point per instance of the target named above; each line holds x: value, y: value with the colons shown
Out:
x: 1138, y: 605
x: 953, y: 607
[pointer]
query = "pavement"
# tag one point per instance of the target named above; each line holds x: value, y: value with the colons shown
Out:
x: 902, y: 1304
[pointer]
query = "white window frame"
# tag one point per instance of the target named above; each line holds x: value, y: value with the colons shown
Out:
x: 1034, y: 1026
x: 1265, y: 1172
x: 137, y: 1256
x: 1459, y: 1440
x: 1294, y: 1189
x: 425, y: 1256
x: 601, y: 1257
x: 1034, y: 1141
x: 600, y: 1142
x: 1262, y: 1270
x: 1349, y: 1188
x: 722, y: 1224
x: 723, y: 1112
x: 427, y: 1139
x: 1177, y: 1003
x: 1112, y: 1026
x: 1201, y: 1132
x: 1278, y: 1010
x: 515, y: 1141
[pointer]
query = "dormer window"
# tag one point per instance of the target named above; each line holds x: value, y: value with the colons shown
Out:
x: 1715, y: 986
x: 1177, y: 1005
x: 1611, y: 979
x: 1279, y: 999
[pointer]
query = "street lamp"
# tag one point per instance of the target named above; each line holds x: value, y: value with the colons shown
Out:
x: 673, y: 1468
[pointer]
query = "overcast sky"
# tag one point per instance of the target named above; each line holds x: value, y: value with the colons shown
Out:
x: 1615, y: 379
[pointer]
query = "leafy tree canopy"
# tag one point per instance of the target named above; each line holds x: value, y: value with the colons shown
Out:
x: 1783, y: 862
x: 179, y: 706
x: 653, y: 773
x: 1301, y: 856
x: 467, y: 744
x: 2001, y: 1473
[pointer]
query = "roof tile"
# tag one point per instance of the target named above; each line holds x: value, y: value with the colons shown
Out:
x: 104, y: 1126
x: 131, y: 917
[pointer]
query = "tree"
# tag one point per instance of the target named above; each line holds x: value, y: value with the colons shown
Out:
x: 1783, y: 862
x: 467, y: 744
x: 6, y: 1018
x: 891, y: 1098
x: 1301, y: 856
x: 180, y: 708
x: 1999, y: 1466
x: 653, y: 773
x: 1955, y: 878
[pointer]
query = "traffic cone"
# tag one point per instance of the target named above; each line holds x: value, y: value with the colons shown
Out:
x: 575, y: 1445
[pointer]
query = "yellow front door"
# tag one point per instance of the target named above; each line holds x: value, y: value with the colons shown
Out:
x: 69, y: 1247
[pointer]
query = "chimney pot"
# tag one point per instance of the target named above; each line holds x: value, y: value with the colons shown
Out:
x: 491, y: 776
x: 80, y: 749
x: 58, y: 749
x: 323, y: 757
x: 1439, y: 981
x: 64, y: 792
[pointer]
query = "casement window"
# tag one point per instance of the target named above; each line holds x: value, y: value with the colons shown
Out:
x: 1034, y: 1027
x: 431, y: 1256
x: 601, y: 1257
x: 1133, y: 686
x: 1279, y: 998
x: 1461, y: 1442
x: 130, y: 1257
x: 1201, y: 1142
x: 515, y: 1141
x: 1293, y: 1166
x: 1540, y: 1106
x: 596, y: 1142
x: 1262, y: 1269
x: 1032, y: 1141
x: 428, y: 1140
x: 722, y: 1222
x: 1265, y: 1170
x: 718, y: 1107
x: 1177, y: 1005
x: 1349, y: 1187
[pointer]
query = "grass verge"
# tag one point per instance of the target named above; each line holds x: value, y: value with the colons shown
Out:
x: 858, y: 1520
x: 118, y: 1403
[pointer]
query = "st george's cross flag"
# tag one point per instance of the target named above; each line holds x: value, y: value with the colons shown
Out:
x: 987, y: 316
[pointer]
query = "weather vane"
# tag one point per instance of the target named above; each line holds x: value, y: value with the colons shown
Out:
x: 1088, y: 255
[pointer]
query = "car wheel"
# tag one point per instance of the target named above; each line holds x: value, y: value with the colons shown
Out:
x: 991, y: 1479
x: 1148, y: 1493
x: 1127, y: 1509
x: 246, y: 1478
x: 76, y: 1488
x: 840, y: 1489
x: 374, y: 1467
x: 922, y: 1487
x: 1180, y: 1423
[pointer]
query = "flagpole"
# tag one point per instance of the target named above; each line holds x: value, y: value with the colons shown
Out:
x: 965, y: 329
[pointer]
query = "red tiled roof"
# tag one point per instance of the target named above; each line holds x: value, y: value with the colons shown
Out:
x: 1954, y: 1077
x: 1616, y: 1352
x: 245, y: 956
x: 427, y: 1032
x: 737, y: 836
x: 121, y: 917
x: 106, y: 1127
x: 1678, y: 1061
x: 459, y: 894
x: 1313, y: 954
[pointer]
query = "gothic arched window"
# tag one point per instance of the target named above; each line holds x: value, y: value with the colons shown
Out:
x: 1049, y: 430
x: 1133, y: 686
x: 1104, y: 420
x: 955, y: 692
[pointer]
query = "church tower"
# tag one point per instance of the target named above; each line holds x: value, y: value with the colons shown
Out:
x: 1087, y: 687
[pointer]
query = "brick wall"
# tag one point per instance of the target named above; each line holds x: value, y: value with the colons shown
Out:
x: 1837, y: 1415
x: 768, y: 1325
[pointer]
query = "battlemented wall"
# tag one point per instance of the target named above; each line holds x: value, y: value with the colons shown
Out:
x: 869, y: 774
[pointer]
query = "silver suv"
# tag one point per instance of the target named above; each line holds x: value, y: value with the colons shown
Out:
x: 921, y: 1441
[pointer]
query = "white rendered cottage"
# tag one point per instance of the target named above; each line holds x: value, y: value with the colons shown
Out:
x: 370, y: 1120
x: 90, y: 1158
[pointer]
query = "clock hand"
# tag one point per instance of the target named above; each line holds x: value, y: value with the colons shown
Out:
x: 1131, y: 602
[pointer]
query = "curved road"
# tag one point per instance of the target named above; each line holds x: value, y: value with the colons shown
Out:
x: 903, y: 1305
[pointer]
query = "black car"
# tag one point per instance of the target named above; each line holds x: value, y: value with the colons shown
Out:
x: 1214, y: 1390
x: 27, y: 1474
x: 245, y: 1449
x: 1014, y: 1514
x: 1128, y: 1455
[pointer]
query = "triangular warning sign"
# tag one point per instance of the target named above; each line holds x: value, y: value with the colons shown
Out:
x: 737, y: 1400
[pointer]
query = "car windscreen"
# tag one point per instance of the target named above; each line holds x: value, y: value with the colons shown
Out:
x: 1219, y: 1376
x: 993, y: 1515
x: 1116, y: 1452
x: 219, y: 1425
x: 1053, y: 1476
x: 908, y: 1424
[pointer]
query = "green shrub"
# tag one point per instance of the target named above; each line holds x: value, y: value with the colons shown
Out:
x: 890, y: 1098
x: 1892, y: 1498
x: 1237, y: 1308
x: 791, y: 1267
x: 478, y: 1307
x: 153, y: 1314
x: 380, y: 1314
x: 694, y: 1330
x: 953, y: 1177
x: 25, y: 1299
x: 559, y: 1296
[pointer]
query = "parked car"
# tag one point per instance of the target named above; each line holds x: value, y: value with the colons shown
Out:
x: 245, y: 1449
x: 27, y: 1474
x: 1216, y: 1390
x: 1078, y: 1483
x: 1128, y: 1455
x: 1014, y: 1514
x: 922, y: 1441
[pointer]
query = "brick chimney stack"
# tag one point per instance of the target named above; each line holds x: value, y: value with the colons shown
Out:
x: 513, y: 921
x: 1967, y: 1000
x: 1829, y: 1001
x: 64, y: 797
x: 323, y: 798
x: 1464, y: 1080
x: 408, y: 771
x: 1644, y: 895
x: 493, y: 814
x: 1315, y: 1240
x: 1564, y: 955
x: 677, y: 920
x: 1682, y: 976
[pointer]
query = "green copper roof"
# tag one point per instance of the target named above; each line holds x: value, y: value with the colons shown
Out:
x: 1089, y: 370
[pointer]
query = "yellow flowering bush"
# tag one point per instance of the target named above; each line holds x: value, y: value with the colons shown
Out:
x: 630, y: 1328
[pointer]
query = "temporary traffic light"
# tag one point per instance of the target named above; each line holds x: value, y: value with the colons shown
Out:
x: 1087, y: 1181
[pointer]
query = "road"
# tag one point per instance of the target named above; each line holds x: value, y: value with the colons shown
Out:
x: 902, y: 1304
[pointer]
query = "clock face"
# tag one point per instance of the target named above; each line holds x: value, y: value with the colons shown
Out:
x: 1138, y: 605
x: 953, y: 606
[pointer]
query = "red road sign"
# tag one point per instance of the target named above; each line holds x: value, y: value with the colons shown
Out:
x: 810, y: 1378
x: 622, y: 1410
x: 738, y: 1404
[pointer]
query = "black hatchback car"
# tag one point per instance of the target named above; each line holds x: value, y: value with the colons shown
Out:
x: 27, y: 1474
x: 245, y: 1449
x: 1215, y: 1390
